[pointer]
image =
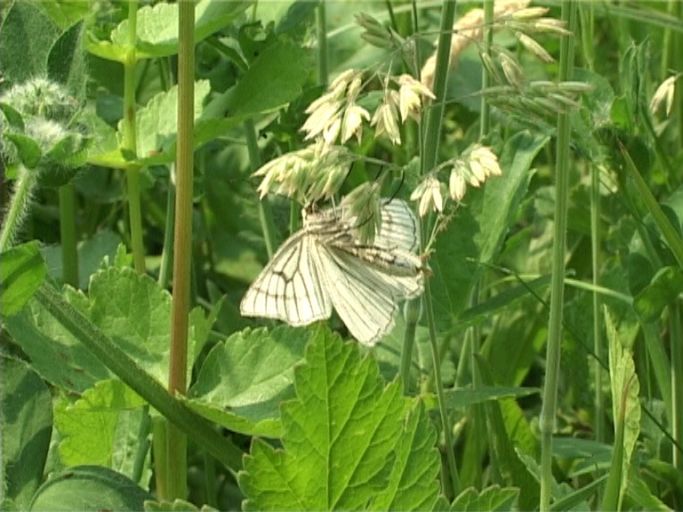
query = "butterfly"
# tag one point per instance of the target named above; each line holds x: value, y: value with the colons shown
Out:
x: 324, y: 266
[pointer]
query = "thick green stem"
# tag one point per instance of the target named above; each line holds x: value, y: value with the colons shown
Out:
x: 18, y: 205
x: 264, y: 214
x: 562, y: 167
x: 182, y: 253
x: 412, y: 316
x: 67, y: 231
x: 127, y: 369
x: 130, y: 142
x: 323, y: 71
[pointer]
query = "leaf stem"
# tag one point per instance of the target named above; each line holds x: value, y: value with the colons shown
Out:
x: 182, y: 243
x: 18, y: 206
x: 130, y: 142
x: 547, y: 419
x: 485, y: 115
x: 68, y: 237
x: 676, y: 339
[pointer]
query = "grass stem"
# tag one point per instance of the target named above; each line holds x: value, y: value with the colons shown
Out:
x: 68, y: 234
x: 562, y: 168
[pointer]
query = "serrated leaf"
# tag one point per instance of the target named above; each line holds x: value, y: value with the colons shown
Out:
x: 156, y: 122
x: 157, y: 29
x: 55, y: 354
x: 244, y: 379
x: 494, y: 498
x: 22, y: 272
x: 665, y: 286
x: 284, y: 67
x: 26, y: 411
x: 100, y: 488
x: 102, y: 428
x: 27, y: 36
x: 342, y: 437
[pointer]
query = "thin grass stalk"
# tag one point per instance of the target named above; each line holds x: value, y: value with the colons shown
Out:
x: 177, y: 374
x: 562, y: 168
x: 598, y: 345
x: 159, y: 443
x: 67, y: 234
x: 430, y: 155
x: 412, y: 307
x: 485, y: 115
x: 676, y: 382
x: 167, y: 251
x: 323, y: 71
x: 264, y: 214
x: 130, y: 142
x: 18, y: 205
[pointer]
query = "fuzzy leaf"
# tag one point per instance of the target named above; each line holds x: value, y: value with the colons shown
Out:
x: 347, y: 440
x: 102, y: 427
x: 26, y: 410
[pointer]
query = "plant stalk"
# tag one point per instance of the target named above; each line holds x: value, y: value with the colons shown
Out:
x: 68, y: 236
x: 676, y: 338
x: 18, y: 205
x: 598, y: 346
x: 130, y: 142
x: 182, y: 253
x: 485, y: 115
x: 562, y: 168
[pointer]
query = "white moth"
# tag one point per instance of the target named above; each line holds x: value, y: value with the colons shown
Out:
x: 325, y: 266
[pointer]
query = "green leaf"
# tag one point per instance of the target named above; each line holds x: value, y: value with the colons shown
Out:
x: 55, y: 354
x: 26, y: 410
x: 66, y: 61
x: 102, y: 428
x: 157, y: 29
x: 156, y: 122
x: 347, y: 440
x: 97, y: 487
x: 493, y: 499
x: 21, y: 273
x: 28, y: 150
x: 13, y: 116
x: 244, y: 379
x: 477, y: 232
x: 463, y: 397
x: 27, y: 36
x: 284, y: 66
x: 625, y: 387
x: 663, y: 290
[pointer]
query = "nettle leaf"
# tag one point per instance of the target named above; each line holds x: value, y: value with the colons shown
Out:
x: 157, y: 122
x: 26, y: 409
x: 244, y: 379
x: 28, y: 150
x: 157, y: 29
x: 22, y: 272
x: 494, y: 498
x: 348, y: 441
x: 102, y: 427
x: 97, y: 487
x: 129, y: 308
x: 66, y: 62
x: 477, y: 232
